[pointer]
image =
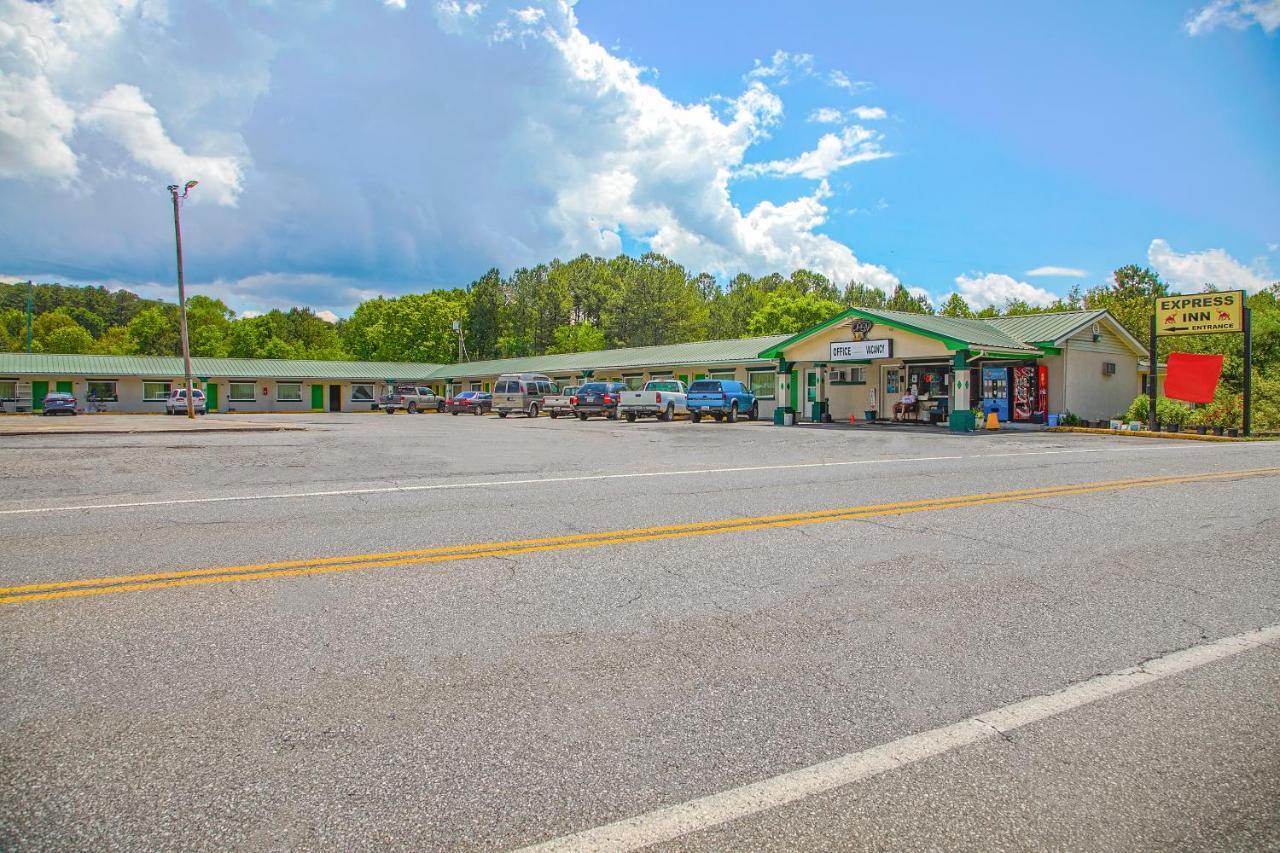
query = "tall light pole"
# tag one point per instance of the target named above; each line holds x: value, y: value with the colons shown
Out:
x: 182, y: 293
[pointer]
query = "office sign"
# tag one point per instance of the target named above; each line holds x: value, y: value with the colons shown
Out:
x: 861, y: 350
x: 1200, y: 313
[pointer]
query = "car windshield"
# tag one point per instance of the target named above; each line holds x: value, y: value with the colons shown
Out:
x: 59, y: 395
x: 704, y: 387
x: 671, y: 385
x: 465, y: 395
x: 593, y: 388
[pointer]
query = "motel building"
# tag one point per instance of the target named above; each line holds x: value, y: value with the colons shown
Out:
x: 858, y: 364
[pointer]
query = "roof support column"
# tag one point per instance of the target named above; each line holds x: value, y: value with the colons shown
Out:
x: 961, y: 418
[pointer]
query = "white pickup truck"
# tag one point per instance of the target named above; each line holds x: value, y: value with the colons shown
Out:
x: 663, y: 398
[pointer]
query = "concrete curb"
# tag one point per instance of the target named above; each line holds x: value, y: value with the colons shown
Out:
x: 1185, y: 436
x: 145, y: 431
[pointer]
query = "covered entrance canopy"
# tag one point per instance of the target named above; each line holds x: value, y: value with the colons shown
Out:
x: 863, y: 360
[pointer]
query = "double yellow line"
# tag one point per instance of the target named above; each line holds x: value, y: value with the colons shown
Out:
x: 263, y: 571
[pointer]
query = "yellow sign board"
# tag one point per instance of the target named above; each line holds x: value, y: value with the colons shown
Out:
x: 1200, y: 313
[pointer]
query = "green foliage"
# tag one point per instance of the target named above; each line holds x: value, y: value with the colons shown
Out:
x: 580, y: 337
x: 114, y: 341
x: 1167, y: 411
x: 955, y: 306
x: 903, y: 300
x: 154, y: 331
x: 70, y: 339
x: 784, y: 313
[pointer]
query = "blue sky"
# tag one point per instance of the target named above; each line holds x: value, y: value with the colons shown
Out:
x: 350, y: 149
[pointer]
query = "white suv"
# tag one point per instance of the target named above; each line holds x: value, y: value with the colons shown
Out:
x: 177, y: 402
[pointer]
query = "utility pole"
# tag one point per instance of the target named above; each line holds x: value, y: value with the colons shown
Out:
x: 30, y: 292
x: 182, y: 294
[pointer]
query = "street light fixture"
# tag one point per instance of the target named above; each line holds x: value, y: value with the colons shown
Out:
x: 182, y: 293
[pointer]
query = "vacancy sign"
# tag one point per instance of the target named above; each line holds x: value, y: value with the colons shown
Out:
x: 861, y: 350
x: 1200, y: 313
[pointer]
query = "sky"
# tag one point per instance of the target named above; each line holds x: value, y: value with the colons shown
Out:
x: 352, y: 148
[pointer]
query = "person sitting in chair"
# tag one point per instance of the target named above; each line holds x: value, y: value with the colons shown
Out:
x: 907, y: 403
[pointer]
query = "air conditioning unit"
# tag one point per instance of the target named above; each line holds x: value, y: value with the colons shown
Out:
x: 1108, y: 368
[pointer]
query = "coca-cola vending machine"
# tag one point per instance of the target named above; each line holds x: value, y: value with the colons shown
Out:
x: 1029, y: 400
x: 1024, y: 392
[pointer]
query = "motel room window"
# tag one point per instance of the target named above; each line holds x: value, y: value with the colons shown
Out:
x: 242, y: 392
x: 289, y: 392
x: 102, y: 390
x: 8, y: 389
x: 763, y: 383
x: 156, y: 392
x: 475, y: 386
x: 723, y: 374
x: 361, y: 392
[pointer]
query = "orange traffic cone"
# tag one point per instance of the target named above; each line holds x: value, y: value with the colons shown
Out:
x: 993, y: 421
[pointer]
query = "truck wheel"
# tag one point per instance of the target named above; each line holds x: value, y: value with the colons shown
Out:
x: 476, y: 410
x: 696, y: 417
x: 440, y: 407
x: 412, y: 408
x: 554, y: 414
x: 631, y: 417
x: 732, y: 417
x: 502, y: 414
x: 533, y: 410
x: 582, y: 416
x: 389, y: 410
x: 454, y: 413
x: 754, y: 413
x: 669, y: 414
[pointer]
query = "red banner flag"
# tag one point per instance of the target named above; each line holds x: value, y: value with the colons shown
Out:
x: 1192, y: 377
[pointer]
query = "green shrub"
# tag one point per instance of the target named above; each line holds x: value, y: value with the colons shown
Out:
x: 1167, y: 411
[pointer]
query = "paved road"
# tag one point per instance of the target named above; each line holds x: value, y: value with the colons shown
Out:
x: 539, y: 690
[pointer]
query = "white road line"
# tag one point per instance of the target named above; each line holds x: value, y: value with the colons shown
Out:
x: 488, y: 484
x: 673, y: 822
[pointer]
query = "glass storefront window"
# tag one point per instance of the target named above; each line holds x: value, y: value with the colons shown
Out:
x: 929, y: 380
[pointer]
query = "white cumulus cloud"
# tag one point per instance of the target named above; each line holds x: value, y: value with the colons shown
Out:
x: 1191, y: 271
x: 826, y: 115
x: 1060, y: 272
x: 996, y: 289
x: 831, y: 115
x: 1236, y: 14
x: 782, y: 67
x: 124, y: 115
x: 865, y: 113
x: 854, y: 144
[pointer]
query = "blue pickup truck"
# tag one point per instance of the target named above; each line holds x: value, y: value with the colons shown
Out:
x: 722, y: 399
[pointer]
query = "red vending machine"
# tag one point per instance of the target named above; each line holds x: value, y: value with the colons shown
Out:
x: 1024, y: 393
x: 1042, y: 393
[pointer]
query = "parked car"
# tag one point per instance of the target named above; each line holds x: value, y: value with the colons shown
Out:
x: 560, y: 404
x: 475, y: 402
x: 598, y: 398
x: 521, y: 392
x: 59, y: 403
x: 661, y: 398
x: 176, y: 402
x: 412, y: 398
x: 723, y: 399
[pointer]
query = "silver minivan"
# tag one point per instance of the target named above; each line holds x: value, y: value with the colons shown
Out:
x: 521, y: 392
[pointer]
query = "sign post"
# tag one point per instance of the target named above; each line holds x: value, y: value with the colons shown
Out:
x: 1209, y: 313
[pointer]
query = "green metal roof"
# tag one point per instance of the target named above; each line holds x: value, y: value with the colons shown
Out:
x: 697, y: 354
x: 955, y: 332
x: 1045, y: 328
x: 166, y: 367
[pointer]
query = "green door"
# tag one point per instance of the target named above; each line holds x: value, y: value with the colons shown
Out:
x: 795, y: 391
x: 211, y: 396
x: 64, y: 386
x: 317, y: 398
x: 38, y: 390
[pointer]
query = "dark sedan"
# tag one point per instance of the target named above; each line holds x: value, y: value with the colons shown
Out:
x: 475, y: 402
x: 59, y: 403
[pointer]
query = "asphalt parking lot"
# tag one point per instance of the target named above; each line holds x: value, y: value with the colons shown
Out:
x: 464, y: 632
